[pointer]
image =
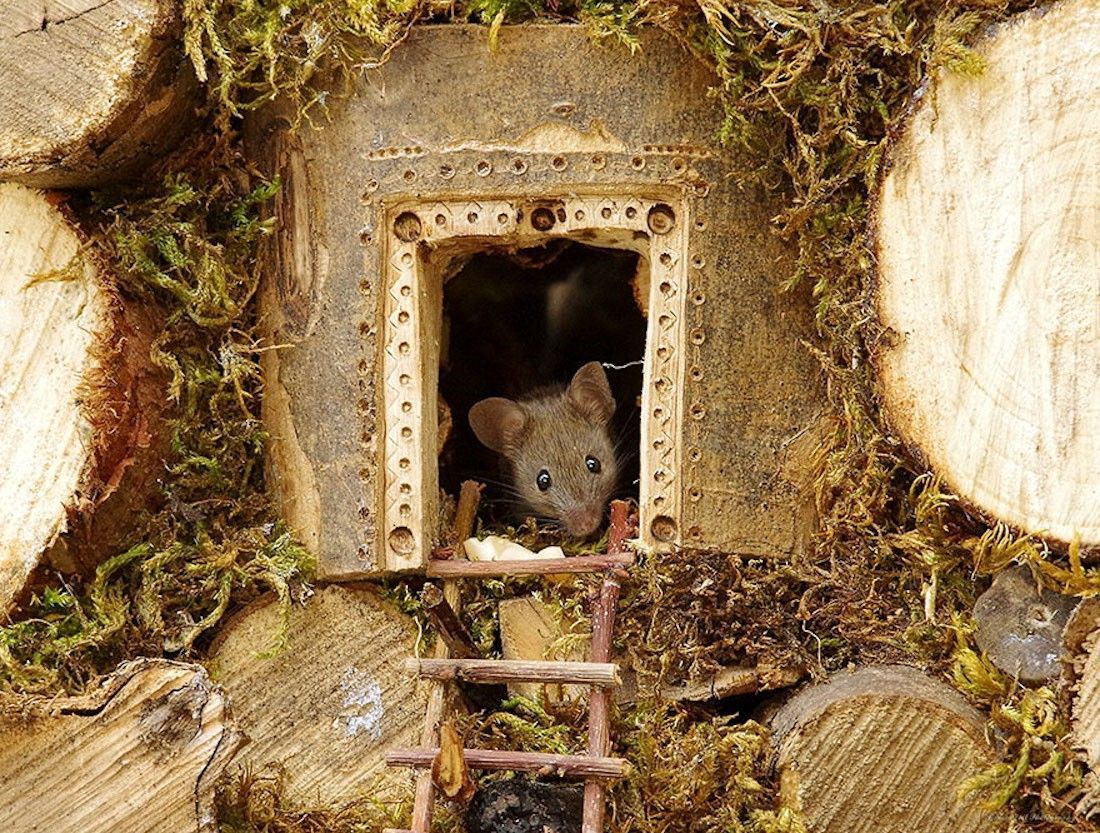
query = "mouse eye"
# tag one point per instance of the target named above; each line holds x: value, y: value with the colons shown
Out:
x: 543, y: 480
x: 592, y: 464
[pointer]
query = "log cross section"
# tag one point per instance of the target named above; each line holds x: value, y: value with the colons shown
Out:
x: 599, y: 673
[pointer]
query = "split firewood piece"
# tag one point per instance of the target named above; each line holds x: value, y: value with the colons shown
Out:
x: 1081, y: 677
x: 882, y: 750
x: 529, y: 630
x: 330, y: 704
x: 732, y: 681
x: 77, y: 396
x: 142, y: 754
x: 1020, y: 626
x: 987, y: 257
x: 93, y: 91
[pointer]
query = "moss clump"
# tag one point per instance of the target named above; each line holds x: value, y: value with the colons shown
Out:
x: 696, y: 773
x: 190, y: 247
x: 255, y: 802
x: 1038, y: 774
x: 252, y: 51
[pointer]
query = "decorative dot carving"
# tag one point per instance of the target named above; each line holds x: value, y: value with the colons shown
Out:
x: 410, y: 510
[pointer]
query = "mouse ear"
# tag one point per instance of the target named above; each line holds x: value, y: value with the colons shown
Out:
x: 590, y: 394
x: 499, y: 424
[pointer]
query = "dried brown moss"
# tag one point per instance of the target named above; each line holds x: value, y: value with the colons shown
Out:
x: 811, y: 90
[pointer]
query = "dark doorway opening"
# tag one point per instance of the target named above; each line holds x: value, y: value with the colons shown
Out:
x: 518, y: 320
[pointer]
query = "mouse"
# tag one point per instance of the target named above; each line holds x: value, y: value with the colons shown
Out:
x: 557, y: 445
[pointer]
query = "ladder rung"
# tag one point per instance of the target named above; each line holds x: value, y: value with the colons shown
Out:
x: 575, y: 766
x: 462, y: 568
x: 603, y: 674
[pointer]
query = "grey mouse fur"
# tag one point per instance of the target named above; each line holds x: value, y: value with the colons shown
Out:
x: 558, y: 439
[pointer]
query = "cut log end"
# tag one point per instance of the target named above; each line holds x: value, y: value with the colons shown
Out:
x: 884, y: 750
x: 987, y: 256
x: 84, y: 764
x: 92, y: 91
x: 328, y: 706
x: 529, y: 631
x: 79, y: 400
x: 54, y: 304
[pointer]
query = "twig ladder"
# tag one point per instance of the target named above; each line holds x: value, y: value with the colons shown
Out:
x: 455, y: 660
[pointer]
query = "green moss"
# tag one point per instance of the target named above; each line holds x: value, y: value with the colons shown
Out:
x: 809, y: 91
x: 189, y: 248
x: 697, y: 773
x: 1038, y: 771
x: 255, y: 801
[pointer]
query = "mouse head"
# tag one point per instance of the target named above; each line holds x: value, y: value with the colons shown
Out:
x: 562, y: 458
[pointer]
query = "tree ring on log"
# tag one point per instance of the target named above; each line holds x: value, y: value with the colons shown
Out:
x: 93, y: 91
x: 882, y: 750
x: 143, y: 751
x: 329, y: 705
x: 987, y: 256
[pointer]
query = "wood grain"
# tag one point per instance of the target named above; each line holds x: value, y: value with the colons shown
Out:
x: 1081, y: 685
x: 461, y: 568
x: 49, y: 340
x: 604, y: 674
x: 733, y: 397
x: 882, y: 750
x: 567, y: 766
x: 328, y: 706
x: 528, y: 630
x: 988, y: 255
x: 141, y: 754
x: 93, y: 89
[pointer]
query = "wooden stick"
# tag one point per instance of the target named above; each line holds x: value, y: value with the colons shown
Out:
x: 469, y: 496
x: 447, y: 624
x: 575, y: 766
x: 603, y: 675
x: 438, y: 702
x: 449, y: 601
x: 599, y: 701
x: 424, y: 801
x: 461, y: 568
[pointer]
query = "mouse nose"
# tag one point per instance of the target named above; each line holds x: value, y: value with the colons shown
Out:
x: 583, y: 522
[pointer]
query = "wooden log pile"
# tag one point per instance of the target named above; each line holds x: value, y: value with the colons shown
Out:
x: 985, y: 234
